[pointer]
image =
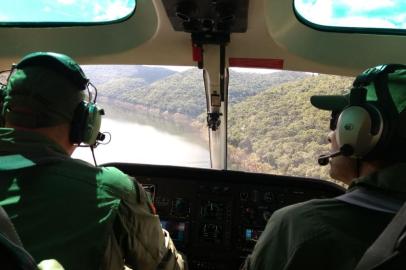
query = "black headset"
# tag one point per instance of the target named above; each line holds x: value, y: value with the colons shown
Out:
x: 85, y: 125
x: 364, y: 128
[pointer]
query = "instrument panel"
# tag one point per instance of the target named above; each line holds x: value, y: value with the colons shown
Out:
x: 215, y: 217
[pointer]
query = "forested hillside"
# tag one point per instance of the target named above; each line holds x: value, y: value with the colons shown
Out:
x: 281, y: 127
x: 113, y: 81
x: 107, y: 73
x: 183, y: 92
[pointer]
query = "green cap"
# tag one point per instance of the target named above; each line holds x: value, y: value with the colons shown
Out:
x: 330, y: 103
x: 397, y: 92
x: 39, y: 96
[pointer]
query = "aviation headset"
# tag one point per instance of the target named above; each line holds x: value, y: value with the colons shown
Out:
x: 365, y: 129
x: 86, y: 120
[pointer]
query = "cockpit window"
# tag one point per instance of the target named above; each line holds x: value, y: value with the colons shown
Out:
x: 64, y: 12
x: 360, y: 15
x: 150, y: 115
x: 275, y: 129
x: 157, y: 115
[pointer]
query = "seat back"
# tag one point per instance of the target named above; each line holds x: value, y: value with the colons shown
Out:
x: 12, y: 253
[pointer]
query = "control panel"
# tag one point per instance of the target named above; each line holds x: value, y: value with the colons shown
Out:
x: 216, y: 217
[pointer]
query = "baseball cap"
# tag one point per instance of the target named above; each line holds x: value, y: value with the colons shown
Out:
x: 40, y: 96
x: 396, y: 85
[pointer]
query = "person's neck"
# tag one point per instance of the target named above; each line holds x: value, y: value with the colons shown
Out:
x: 58, y: 134
x: 368, y: 167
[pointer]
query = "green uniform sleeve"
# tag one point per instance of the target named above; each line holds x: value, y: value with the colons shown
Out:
x: 293, y: 239
x: 145, y: 244
x: 271, y: 250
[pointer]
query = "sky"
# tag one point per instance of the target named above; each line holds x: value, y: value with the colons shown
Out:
x: 354, y: 13
x: 65, y: 10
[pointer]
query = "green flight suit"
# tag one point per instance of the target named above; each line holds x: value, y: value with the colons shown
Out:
x: 83, y: 216
x: 326, y: 233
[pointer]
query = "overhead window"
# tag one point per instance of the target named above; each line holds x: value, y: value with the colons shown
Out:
x: 64, y: 12
x: 367, y: 15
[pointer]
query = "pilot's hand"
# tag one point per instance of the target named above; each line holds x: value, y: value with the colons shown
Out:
x: 50, y: 265
x: 180, y: 257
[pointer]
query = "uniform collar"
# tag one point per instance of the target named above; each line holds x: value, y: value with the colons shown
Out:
x: 390, y: 180
x: 21, y: 149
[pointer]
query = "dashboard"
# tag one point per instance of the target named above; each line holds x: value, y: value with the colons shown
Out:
x: 215, y: 216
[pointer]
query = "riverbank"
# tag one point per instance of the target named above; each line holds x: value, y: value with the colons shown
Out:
x: 238, y: 158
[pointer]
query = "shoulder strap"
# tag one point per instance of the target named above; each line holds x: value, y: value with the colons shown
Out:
x: 366, y: 198
x: 388, y: 251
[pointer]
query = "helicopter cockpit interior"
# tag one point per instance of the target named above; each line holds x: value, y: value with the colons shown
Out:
x: 216, y: 214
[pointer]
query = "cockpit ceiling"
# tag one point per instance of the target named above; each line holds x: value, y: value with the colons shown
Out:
x: 215, y: 16
x: 260, y: 29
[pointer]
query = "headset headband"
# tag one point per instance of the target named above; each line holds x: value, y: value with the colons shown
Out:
x: 61, y: 63
x: 379, y: 77
x: 371, y: 74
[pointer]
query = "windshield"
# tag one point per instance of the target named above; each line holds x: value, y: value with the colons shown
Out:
x: 157, y: 115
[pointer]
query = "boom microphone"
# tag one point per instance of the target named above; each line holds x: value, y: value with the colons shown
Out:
x: 345, y: 150
x: 100, y: 137
x: 323, y: 160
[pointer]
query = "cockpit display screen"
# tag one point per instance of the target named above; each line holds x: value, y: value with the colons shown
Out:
x: 177, y: 230
x: 252, y: 234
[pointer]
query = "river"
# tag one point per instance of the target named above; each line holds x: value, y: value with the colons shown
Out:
x: 137, y: 137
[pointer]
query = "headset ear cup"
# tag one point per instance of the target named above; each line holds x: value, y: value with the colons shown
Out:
x: 86, y: 123
x: 78, y: 122
x: 92, y: 124
x: 361, y: 128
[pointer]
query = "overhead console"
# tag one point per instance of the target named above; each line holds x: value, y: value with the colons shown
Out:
x: 216, y: 216
x: 212, y: 16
